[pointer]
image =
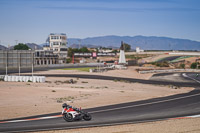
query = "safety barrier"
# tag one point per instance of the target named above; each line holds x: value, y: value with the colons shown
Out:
x: 169, y: 70
x: 13, y: 78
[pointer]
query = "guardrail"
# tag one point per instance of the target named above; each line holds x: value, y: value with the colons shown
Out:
x: 168, y: 70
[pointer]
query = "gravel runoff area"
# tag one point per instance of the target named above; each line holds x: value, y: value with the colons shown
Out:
x: 29, y: 99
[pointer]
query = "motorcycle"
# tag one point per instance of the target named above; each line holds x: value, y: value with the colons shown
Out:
x: 70, y: 114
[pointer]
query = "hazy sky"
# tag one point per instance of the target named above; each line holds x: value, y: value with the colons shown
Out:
x: 33, y: 20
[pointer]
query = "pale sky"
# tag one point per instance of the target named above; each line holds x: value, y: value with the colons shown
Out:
x: 31, y: 21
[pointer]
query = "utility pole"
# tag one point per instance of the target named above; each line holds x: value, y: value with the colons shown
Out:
x: 79, y: 40
x: 6, y: 62
x: 16, y: 41
x: 19, y: 62
x: 32, y: 62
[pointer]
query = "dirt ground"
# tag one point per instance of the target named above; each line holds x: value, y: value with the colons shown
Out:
x: 30, y: 99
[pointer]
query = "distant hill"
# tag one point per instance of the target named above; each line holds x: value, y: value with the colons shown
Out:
x: 33, y: 46
x: 144, y: 42
x: 2, y: 47
x: 44, y: 44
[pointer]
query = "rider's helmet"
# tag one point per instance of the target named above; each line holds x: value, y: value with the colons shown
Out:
x: 64, y: 105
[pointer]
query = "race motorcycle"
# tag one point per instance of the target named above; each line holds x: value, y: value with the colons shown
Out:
x: 70, y: 114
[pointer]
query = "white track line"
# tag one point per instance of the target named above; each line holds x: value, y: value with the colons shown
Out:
x: 185, y: 75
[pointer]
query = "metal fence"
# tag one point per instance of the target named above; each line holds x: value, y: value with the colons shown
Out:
x: 16, y: 58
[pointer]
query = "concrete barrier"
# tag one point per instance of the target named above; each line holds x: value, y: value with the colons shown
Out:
x: 17, y: 78
x: 9, y: 78
x: 20, y: 78
x: 13, y: 78
x: 34, y: 79
x: 6, y: 78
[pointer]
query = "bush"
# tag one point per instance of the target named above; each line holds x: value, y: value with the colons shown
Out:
x: 161, y: 64
x: 68, y: 60
x: 194, y: 65
x: 182, y: 65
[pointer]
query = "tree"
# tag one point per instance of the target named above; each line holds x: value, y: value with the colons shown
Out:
x: 127, y: 47
x: 182, y: 66
x: 194, y: 65
x: 84, y: 50
x: 69, y: 52
x: 115, y: 51
x: 21, y: 46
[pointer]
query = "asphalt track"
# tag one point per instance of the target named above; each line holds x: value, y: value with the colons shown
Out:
x: 180, y: 105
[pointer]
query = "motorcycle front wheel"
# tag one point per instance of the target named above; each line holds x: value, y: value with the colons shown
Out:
x: 87, y: 117
x: 68, y: 117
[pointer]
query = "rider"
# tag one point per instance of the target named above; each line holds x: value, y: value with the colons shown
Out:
x: 64, y: 105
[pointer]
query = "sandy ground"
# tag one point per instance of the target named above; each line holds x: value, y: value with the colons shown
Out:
x: 167, y: 126
x: 29, y: 99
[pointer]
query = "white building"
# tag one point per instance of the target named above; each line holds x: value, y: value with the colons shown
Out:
x: 138, y: 50
x: 58, y: 43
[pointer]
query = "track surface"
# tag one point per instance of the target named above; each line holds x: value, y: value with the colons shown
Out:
x: 133, y: 112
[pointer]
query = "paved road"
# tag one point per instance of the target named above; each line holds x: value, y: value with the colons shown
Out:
x: 141, y: 111
x: 157, y: 82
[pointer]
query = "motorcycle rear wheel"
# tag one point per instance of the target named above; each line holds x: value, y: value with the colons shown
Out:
x: 87, y: 117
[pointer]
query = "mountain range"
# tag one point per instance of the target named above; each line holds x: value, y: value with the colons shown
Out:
x: 144, y: 42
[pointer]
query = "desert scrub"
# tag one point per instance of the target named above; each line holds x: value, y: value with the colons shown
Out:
x: 77, y: 87
x: 47, y: 81
x: 161, y: 64
x: 65, y: 82
x: 53, y: 91
x: 84, y: 82
x: 122, y: 80
x: 64, y: 99
x: 115, y: 80
x: 174, y: 87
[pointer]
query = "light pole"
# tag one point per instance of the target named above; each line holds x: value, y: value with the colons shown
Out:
x: 16, y: 41
x: 79, y: 40
x: 32, y: 62
x: 6, y: 62
x: 19, y: 62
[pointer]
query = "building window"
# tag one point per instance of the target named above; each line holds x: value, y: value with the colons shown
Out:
x: 55, y: 43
